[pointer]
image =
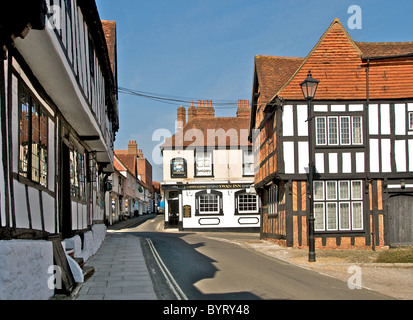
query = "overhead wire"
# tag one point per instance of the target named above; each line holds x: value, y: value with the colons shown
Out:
x: 177, y: 100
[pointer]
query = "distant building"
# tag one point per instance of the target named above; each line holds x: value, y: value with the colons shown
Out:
x: 138, y: 197
x: 59, y: 118
x: 208, y: 172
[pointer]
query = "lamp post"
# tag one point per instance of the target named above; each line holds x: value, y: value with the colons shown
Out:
x: 309, y: 88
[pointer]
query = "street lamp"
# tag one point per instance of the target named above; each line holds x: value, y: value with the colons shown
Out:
x: 309, y: 88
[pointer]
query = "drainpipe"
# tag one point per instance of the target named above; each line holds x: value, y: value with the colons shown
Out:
x: 373, y: 238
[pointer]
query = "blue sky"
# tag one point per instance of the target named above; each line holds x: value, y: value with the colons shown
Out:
x: 205, y: 49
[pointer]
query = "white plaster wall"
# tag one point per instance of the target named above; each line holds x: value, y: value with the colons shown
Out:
x: 24, y: 270
x: 92, y: 241
x: 228, y: 220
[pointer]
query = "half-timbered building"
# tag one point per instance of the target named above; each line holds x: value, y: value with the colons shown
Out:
x: 362, y: 143
x: 59, y: 116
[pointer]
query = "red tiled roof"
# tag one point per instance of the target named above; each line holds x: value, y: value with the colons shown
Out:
x: 212, y: 132
x: 118, y: 165
x: 129, y: 161
x: 337, y: 61
x: 385, y: 49
x: 109, y: 29
x: 274, y: 72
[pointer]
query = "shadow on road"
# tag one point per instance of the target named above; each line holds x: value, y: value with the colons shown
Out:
x: 186, y: 264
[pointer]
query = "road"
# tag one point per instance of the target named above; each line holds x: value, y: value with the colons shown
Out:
x: 208, y: 266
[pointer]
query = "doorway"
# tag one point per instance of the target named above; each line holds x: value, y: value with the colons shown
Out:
x: 400, y: 210
x: 65, y: 203
x: 173, y: 206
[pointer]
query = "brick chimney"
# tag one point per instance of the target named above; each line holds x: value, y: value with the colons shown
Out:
x: 181, y: 118
x: 140, y: 154
x: 243, y: 109
x: 205, y: 109
x: 191, y: 112
x: 132, y: 147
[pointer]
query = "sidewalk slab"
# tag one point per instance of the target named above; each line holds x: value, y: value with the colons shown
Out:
x: 120, y: 271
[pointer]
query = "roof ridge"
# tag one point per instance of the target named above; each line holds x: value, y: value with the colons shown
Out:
x: 336, y: 21
x: 384, y: 42
x: 279, y: 57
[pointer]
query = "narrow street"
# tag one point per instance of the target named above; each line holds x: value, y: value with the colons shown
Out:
x: 204, y: 266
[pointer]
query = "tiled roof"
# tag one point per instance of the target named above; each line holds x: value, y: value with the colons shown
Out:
x: 337, y: 62
x: 215, y: 132
x: 129, y: 161
x: 385, y: 49
x: 274, y: 72
x: 109, y: 29
x: 118, y: 165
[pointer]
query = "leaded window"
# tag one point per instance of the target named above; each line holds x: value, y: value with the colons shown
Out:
x: 344, y: 130
x: 338, y: 205
x: 33, y: 138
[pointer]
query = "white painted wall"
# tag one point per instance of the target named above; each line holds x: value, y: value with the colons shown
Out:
x: 24, y: 270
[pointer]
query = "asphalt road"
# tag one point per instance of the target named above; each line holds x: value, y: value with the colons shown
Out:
x: 199, y: 266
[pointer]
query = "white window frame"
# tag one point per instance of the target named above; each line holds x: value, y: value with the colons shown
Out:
x: 345, y: 133
x: 333, y: 135
x: 352, y: 201
x: 353, y: 129
x: 321, y: 131
x: 324, y: 136
x: 328, y: 216
x: 410, y: 119
x: 323, y: 205
x: 340, y: 215
x: 201, y: 156
x: 217, y: 197
x: 353, y: 216
x: 248, y: 167
x: 249, y: 196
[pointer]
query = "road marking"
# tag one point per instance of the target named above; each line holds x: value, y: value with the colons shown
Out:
x: 176, y: 289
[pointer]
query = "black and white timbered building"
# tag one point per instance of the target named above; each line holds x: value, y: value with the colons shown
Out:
x: 59, y: 117
x: 362, y: 143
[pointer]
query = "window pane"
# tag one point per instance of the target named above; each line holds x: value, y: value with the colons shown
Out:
x: 208, y: 203
x: 332, y: 130
x: 332, y: 216
x: 356, y: 193
x: 247, y: 203
x: 43, y: 148
x: 248, y: 163
x: 272, y: 200
x: 410, y: 120
x: 357, y: 216
x: 344, y: 190
x: 321, y: 131
x: 345, y: 130
x: 204, y: 163
x: 35, y: 142
x: 331, y: 190
x: 319, y: 216
x: 318, y: 190
x: 357, y: 131
x: 344, y: 216
x: 24, y: 134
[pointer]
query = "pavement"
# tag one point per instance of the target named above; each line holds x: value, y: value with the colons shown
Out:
x: 120, y: 269
x: 122, y: 274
